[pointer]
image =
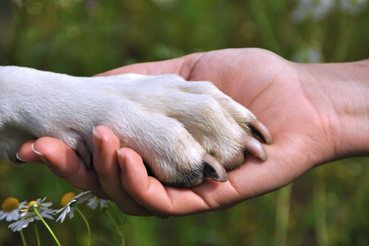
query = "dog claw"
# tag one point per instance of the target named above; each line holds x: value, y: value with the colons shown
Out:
x: 213, y: 169
x: 254, y: 147
x: 262, y: 130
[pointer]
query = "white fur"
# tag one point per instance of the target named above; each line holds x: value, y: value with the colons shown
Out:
x: 170, y: 122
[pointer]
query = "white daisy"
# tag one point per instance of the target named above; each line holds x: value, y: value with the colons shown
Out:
x: 31, y: 216
x: 94, y: 201
x: 28, y: 209
x: 11, y: 208
x: 67, y: 200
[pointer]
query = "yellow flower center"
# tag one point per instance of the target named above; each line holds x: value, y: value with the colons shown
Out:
x: 27, y: 206
x: 67, y: 198
x: 10, y: 204
x: 31, y: 203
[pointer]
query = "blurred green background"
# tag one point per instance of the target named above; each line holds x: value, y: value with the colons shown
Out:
x: 326, y: 206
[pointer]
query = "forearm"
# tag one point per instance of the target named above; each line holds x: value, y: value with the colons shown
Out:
x: 340, y: 93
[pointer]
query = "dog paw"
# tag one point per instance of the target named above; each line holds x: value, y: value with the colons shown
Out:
x: 187, y: 131
x: 184, y: 131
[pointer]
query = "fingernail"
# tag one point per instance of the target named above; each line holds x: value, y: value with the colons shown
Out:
x: 122, y: 158
x: 19, y: 159
x: 120, y: 153
x: 40, y: 155
x: 97, y: 144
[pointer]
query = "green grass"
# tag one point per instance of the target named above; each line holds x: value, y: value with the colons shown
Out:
x: 326, y: 206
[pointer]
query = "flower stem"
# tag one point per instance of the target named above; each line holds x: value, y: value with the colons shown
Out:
x: 37, y: 234
x: 47, y: 226
x: 115, y: 224
x: 122, y: 223
x: 116, y: 213
x: 122, y: 233
x: 23, y: 238
x: 86, y: 222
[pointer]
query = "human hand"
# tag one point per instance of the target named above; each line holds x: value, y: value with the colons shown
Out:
x: 294, y: 101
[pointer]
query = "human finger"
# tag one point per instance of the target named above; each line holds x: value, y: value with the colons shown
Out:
x: 151, y: 194
x: 63, y: 162
x: 182, y: 66
x: 106, y: 145
x: 26, y: 153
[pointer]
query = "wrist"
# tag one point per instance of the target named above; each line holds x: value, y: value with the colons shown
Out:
x: 340, y: 94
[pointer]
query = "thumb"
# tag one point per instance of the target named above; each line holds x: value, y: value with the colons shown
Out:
x: 182, y: 66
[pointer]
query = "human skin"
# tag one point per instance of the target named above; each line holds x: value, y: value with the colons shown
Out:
x: 316, y: 113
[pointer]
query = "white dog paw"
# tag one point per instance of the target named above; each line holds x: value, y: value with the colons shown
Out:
x: 184, y: 131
